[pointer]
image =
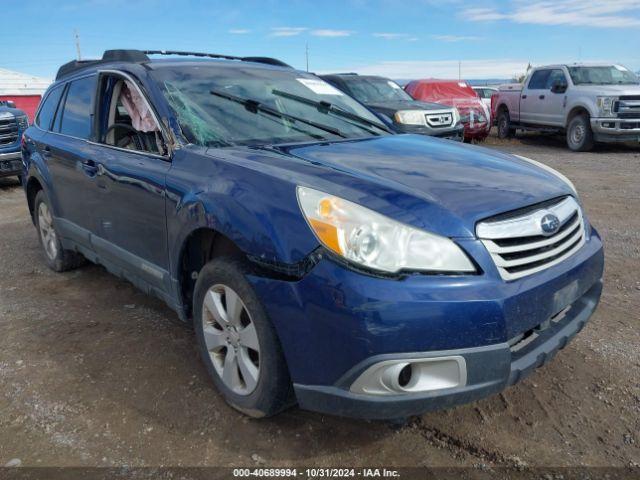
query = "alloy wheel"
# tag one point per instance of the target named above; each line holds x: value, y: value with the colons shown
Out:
x: 231, y: 339
x: 47, y: 232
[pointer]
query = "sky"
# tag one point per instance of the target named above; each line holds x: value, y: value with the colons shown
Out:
x: 397, y: 39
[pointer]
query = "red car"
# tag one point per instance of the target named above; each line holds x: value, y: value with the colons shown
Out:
x: 475, y: 116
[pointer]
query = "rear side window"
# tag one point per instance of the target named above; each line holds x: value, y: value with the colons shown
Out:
x: 78, y: 108
x: 48, y: 109
x: 539, y: 80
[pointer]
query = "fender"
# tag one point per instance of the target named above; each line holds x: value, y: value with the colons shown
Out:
x: 580, y: 102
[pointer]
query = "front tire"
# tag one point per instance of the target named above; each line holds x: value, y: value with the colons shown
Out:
x: 58, y: 259
x: 237, y: 342
x: 579, y: 134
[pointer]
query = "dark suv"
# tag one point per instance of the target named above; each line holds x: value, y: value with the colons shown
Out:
x: 13, y: 123
x: 397, y: 108
x: 322, y: 259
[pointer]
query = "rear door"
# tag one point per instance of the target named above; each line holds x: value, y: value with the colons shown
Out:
x: 532, y: 98
x: 70, y: 154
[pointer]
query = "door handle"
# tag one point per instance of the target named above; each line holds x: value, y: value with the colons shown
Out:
x: 524, y: 96
x: 541, y: 97
x: 90, y: 168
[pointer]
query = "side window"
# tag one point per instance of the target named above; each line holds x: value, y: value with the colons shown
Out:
x: 539, y: 80
x: 556, y: 76
x: 78, y: 108
x: 125, y: 118
x: 49, y: 107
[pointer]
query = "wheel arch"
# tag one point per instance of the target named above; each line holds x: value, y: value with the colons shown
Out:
x: 575, y: 111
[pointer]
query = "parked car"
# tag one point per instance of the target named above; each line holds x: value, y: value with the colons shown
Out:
x: 485, y: 93
x: 397, y: 109
x: 474, y: 114
x: 322, y: 259
x: 588, y: 102
x: 13, y: 123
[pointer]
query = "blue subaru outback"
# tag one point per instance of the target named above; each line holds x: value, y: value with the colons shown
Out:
x: 323, y: 260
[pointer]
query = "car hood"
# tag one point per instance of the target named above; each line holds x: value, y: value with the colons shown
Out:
x: 612, y: 90
x: 390, y: 108
x: 442, y: 186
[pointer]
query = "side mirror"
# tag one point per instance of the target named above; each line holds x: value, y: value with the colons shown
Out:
x: 558, y: 87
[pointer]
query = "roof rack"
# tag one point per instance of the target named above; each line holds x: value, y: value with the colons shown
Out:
x: 266, y: 60
x: 142, y: 56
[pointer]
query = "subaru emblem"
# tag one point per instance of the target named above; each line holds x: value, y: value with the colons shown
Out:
x: 549, y: 224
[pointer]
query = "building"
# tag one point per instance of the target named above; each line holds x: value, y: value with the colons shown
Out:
x: 23, y: 89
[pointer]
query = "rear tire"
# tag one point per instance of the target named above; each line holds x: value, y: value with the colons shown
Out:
x: 504, y: 125
x: 579, y: 134
x: 58, y: 259
x: 234, y: 332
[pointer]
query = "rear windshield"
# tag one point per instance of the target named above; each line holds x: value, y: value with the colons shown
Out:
x: 608, y: 75
x: 372, y: 89
x: 216, y: 120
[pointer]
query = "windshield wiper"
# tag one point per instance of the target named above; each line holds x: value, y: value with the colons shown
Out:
x: 254, y: 106
x: 326, y: 107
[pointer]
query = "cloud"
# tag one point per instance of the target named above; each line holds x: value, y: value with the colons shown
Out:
x: 287, y: 31
x: 239, y: 31
x: 331, y: 33
x: 392, y: 36
x: 580, y: 13
x: 475, y: 69
x: 455, y: 38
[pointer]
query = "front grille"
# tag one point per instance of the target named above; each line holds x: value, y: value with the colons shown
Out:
x: 519, y: 246
x: 8, y: 131
x: 628, y: 107
x: 439, y: 119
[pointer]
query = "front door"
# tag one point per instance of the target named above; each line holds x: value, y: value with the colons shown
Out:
x: 131, y: 183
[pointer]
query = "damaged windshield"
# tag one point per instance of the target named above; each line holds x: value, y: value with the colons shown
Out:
x: 239, y: 104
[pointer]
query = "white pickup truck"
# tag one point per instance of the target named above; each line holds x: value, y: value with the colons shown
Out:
x: 589, y: 102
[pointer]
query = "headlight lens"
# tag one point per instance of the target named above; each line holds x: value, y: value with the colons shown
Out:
x: 456, y: 116
x: 411, y: 117
x: 374, y: 241
x: 23, y: 121
x: 605, y: 106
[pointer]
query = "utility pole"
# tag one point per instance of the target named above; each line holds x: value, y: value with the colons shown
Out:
x: 306, y: 50
x: 77, y: 43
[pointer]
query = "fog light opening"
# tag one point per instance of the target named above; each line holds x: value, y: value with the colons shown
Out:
x: 405, y: 375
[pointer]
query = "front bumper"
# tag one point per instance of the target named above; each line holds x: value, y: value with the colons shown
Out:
x: 616, y: 129
x: 488, y: 371
x: 10, y: 164
x: 455, y: 133
x: 335, y: 322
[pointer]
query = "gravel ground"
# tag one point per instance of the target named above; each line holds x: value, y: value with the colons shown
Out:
x: 95, y: 373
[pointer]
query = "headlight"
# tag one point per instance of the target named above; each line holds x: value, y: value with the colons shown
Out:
x: 411, y: 117
x: 23, y: 121
x: 372, y: 240
x: 456, y: 116
x: 605, y: 106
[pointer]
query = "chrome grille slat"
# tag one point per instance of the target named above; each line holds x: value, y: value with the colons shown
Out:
x: 526, y: 249
x: 501, y: 262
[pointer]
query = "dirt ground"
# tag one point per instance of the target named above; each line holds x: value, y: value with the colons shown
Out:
x: 95, y: 373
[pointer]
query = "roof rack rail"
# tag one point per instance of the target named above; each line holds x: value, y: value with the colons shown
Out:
x: 142, y: 56
x: 265, y: 60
